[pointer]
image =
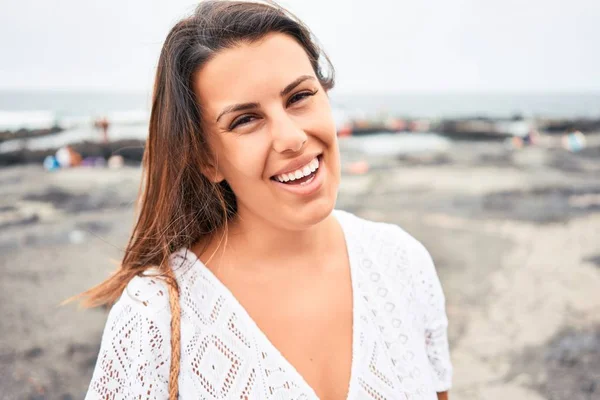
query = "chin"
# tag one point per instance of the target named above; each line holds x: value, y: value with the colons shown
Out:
x: 310, y: 214
x: 316, y: 214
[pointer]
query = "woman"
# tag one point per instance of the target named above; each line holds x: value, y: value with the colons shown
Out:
x: 240, y: 281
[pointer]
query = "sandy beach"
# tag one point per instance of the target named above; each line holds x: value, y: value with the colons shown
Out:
x: 515, y: 236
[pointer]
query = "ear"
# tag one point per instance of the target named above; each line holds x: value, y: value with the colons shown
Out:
x: 211, y: 171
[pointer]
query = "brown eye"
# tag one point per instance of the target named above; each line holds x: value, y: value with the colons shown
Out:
x: 244, y: 119
x: 300, y: 96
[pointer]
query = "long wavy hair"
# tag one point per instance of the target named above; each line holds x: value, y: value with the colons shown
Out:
x: 177, y: 205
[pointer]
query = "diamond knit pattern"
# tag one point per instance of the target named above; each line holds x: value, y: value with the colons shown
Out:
x: 400, y: 347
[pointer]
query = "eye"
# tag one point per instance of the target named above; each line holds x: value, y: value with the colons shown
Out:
x: 242, y: 120
x: 301, y: 95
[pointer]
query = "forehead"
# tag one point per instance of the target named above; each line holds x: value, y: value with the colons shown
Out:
x: 249, y: 71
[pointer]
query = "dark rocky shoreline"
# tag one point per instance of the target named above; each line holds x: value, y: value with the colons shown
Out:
x: 514, y: 234
x: 28, y: 133
x: 131, y: 150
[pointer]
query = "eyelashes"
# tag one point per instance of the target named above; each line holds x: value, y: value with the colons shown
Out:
x: 301, y: 95
x: 247, y: 118
x: 244, y: 119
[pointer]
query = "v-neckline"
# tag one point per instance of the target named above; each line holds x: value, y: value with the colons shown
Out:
x: 263, y: 336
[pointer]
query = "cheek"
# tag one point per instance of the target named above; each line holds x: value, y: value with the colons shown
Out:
x: 322, y: 122
x: 243, y: 158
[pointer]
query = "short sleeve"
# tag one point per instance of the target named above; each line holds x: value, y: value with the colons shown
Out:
x: 134, y: 357
x: 434, y: 317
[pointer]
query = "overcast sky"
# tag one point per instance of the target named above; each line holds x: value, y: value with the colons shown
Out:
x: 376, y: 45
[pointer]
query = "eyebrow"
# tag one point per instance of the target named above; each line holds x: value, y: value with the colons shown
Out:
x: 250, y: 106
x: 292, y: 85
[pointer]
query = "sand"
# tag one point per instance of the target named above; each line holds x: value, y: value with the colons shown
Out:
x: 515, y: 237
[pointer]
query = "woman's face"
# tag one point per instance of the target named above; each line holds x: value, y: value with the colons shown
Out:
x: 270, y: 127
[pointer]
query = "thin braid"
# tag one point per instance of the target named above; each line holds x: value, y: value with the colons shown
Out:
x: 175, y: 335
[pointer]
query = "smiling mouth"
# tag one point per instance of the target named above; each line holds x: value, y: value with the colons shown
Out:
x: 301, y: 176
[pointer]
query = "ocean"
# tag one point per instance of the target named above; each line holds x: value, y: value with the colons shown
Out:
x: 128, y: 111
x: 456, y: 105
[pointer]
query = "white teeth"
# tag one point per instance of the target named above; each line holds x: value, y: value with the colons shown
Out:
x: 316, y: 163
x: 299, y: 173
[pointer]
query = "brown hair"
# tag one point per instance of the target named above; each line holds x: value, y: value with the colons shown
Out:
x: 177, y: 205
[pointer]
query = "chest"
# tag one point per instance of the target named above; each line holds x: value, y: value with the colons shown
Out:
x: 306, y: 335
x: 309, y: 320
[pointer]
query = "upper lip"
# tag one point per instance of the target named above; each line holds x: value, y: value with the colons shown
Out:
x: 297, y: 163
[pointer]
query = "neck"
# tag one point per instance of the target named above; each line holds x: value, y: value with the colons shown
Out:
x: 261, y: 244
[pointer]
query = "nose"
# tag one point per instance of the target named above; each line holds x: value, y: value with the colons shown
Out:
x: 287, y: 135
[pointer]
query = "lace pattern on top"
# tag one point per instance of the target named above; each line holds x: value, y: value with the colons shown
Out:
x: 400, y: 348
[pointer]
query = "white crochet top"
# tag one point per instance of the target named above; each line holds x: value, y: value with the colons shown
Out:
x: 400, y: 346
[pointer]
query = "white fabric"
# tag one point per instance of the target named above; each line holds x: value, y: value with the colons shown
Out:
x: 400, y: 347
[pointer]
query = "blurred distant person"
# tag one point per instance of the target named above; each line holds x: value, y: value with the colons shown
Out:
x: 574, y: 141
x: 103, y: 124
x: 240, y: 280
x: 67, y: 157
x: 532, y: 137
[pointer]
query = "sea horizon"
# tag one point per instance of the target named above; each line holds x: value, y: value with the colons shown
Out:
x: 34, y: 108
